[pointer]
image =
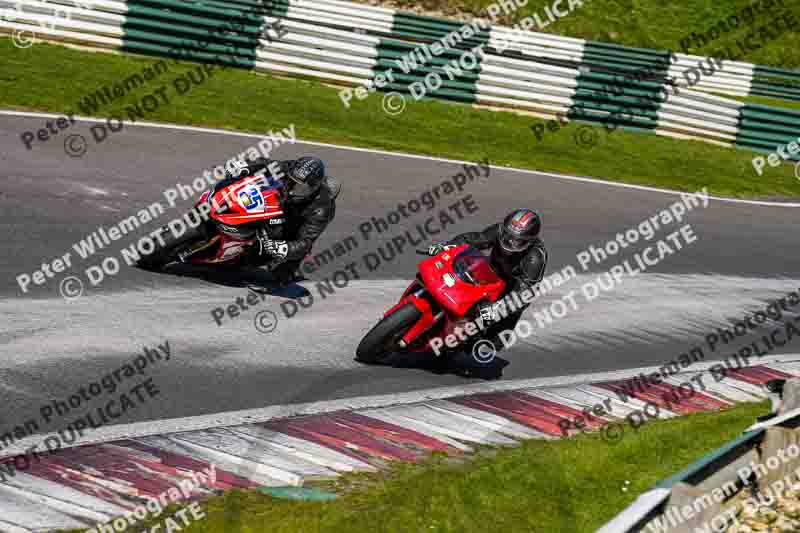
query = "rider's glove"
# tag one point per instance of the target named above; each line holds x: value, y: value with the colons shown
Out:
x: 277, y: 249
x: 439, y: 247
x: 488, y: 313
x: 237, y: 168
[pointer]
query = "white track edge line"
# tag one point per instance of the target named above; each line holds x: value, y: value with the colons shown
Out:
x: 410, y: 156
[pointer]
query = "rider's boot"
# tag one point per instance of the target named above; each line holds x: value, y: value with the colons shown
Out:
x: 288, y: 273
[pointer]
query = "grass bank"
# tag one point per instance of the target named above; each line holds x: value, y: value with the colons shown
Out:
x: 650, y: 23
x: 54, y: 78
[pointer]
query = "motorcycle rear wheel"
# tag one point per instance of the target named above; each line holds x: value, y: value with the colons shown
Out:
x: 385, y: 336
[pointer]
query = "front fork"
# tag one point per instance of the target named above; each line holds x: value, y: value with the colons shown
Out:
x: 431, y: 315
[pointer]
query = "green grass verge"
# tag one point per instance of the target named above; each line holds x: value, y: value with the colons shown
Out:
x: 54, y: 78
x: 569, y: 486
x: 650, y: 24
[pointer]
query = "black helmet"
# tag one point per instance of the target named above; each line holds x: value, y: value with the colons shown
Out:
x: 519, y: 230
x: 305, y: 178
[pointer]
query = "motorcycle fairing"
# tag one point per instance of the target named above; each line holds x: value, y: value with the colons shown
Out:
x: 234, y: 208
x: 439, y: 281
x: 450, y: 290
x: 248, y: 200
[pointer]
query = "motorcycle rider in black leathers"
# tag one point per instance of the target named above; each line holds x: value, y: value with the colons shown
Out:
x: 517, y: 255
x: 309, y: 206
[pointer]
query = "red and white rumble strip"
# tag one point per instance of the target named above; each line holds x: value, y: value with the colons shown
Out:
x: 118, y: 468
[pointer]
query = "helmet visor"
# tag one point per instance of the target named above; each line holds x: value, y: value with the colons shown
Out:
x: 511, y: 243
x: 299, y: 189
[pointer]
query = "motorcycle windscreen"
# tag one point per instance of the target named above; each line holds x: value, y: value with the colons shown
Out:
x: 474, y: 268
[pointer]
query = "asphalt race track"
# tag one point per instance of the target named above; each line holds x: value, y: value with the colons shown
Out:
x: 49, y: 347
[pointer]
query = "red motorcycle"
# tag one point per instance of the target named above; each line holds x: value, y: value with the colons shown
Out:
x: 445, y: 291
x: 221, y: 228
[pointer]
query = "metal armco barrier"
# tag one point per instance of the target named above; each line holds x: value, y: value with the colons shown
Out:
x: 349, y: 44
x: 715, y: 478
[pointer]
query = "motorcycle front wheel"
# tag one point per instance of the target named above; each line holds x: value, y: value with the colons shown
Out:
x: 385, y: 336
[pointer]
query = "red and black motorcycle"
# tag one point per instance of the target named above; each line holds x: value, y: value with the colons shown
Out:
x: 445, y: 291
x: 224, y: 220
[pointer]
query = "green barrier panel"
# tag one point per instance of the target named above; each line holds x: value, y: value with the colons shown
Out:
x: 764, y: 148
x: 612, y: 114
x: 461, y: 90
x: 471, y: 40
x: 615, y: 108
x: 419, y: 73
x: 623, y: 80
x: 137, y: 20
x: 455, y: 43
x: 629, y: 49
x: 784, y: 111
x: 758, y: 135
x: 588, y: 93
x: 434, y: 23
x: 463, y: 68
x: 776, y: 72
x: 765, y: 145
x: 654, y: 59
x: 746, y: 124
x: 657, y: 61
x: 405, y: 48
x: 444, y: 94
x: 307, y: 494
x: 771, y: 114
x: 632, y: 70
x: 189, y: 49
x: 238, y: 3
x: 206, y: 32
x: 776, y: 85
x: 767, y: 127
x: 647, y: 98
x: 146, y: 12
x: 222, y: 13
